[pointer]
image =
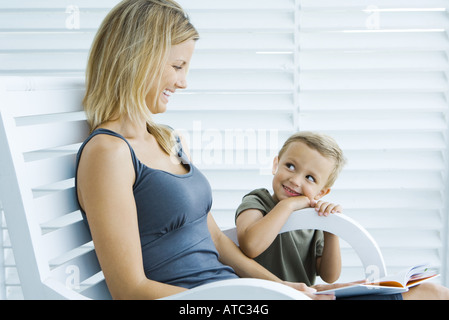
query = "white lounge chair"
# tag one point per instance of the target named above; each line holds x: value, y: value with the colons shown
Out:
x: 41, y: 127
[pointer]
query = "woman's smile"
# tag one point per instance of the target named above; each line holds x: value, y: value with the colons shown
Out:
x: 166, y: 94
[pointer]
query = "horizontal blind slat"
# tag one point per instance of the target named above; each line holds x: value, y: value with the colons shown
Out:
x: 360, y: 20
x: 386, y: 81
x: 391, y: 140
x: 76, y: 41
x: 369, y: 121
x: 186, y: 4
x: 348, y: 4
x: 374, y: 40
x: 203, y: 20
x: 245, y: 122
x: 230, y: 101
x: 388, y: 61
x: 239, y: 80
x: 40, y: 137
x: 365, y: 100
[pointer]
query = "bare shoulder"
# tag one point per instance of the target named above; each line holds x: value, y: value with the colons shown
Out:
x: 105, y: 174
x: 108, y: 156
x: 104, y: 143
x: 106, y: 149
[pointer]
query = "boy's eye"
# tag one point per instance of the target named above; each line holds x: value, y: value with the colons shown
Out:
x: 290, y: 166
x: 310, y: 178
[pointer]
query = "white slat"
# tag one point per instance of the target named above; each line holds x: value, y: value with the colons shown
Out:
x: 381, y: 101
x: 357, y: 20
x: 186, y: 4
x: 82, y: 261
x: 252, y: 19
x: 371, y: 120
x: 38, y: 137
x: 270, y: 42
x: 230, y: 102
x: 216, y: 121
x: 55, y: 20
x: 374, y: 81
x: 240, y: 81
x: 62, y: 101
x: 55, y: 205
x: 30, y: 42
x: 378, y: 41
x: 66, y: 239
x: 388, y: 140
x: 50, y: 170
x: 382, y: 61
x: 362, y: 4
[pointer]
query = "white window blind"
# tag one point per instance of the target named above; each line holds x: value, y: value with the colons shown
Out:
x: 373, y: 74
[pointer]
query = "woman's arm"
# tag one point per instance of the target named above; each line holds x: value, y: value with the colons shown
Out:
x: 232, y: 256
x: 245, y: 267
x: 105, y: 179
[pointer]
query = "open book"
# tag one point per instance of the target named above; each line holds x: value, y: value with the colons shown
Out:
x: 397, y: 283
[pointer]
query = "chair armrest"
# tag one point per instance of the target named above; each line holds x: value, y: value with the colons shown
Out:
x: 234, y: 289
x: 241, y: 289
x: 342, y: 226
x: 56, y: 290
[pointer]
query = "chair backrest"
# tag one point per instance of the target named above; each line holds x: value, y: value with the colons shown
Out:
x: 42, y: 125
x: 344, y: 227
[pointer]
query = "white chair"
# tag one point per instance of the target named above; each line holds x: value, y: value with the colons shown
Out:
x: 343, y: 226
x: 41, y: 128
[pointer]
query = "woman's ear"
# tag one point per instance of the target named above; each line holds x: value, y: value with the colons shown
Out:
x: 322, y: 193
x: 275, y: 165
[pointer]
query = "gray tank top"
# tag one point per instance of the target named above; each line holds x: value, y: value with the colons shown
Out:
x: 172, y: 214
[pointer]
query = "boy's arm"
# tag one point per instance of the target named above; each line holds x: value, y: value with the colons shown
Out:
x: 329, y: 264
x: 244, y: 267
x: 256, y: 232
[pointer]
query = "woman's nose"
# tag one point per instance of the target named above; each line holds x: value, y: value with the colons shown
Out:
x: 182, y: 82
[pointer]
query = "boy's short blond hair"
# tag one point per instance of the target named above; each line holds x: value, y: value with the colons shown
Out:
x: 322, y: 143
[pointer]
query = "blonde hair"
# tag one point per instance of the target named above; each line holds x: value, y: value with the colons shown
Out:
x: 325, y: 145
x: 127, y: 59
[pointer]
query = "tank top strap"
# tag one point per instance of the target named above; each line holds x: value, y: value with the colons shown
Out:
x: 111, y: 133
x: 136, y: 162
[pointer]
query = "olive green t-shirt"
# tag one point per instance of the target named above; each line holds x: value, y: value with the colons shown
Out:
x: 292, y: 255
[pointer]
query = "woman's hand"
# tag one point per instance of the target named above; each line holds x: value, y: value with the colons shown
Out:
x: 309, y: 291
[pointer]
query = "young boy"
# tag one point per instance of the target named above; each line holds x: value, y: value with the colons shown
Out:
x: 304, y: 171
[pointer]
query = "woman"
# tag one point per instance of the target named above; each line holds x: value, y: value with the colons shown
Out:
x: 148, y: 215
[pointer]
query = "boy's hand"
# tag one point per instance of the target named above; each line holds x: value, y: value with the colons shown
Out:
x: 327, y: 208
x: 298, y: 203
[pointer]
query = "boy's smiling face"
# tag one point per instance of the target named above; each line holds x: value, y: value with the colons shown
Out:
x: 301, y: 171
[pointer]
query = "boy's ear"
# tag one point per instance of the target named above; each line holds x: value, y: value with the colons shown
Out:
x: 322, y: 193
x: 275, y: 165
